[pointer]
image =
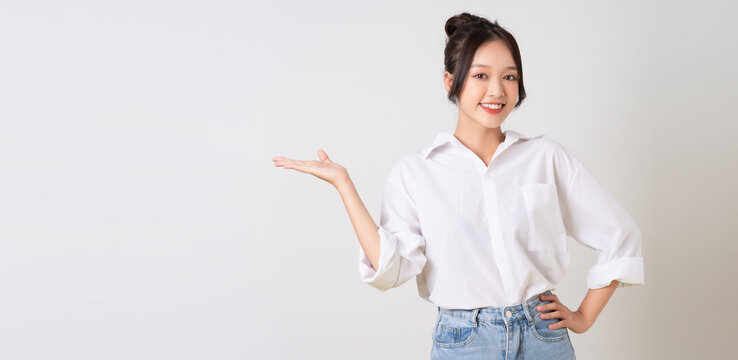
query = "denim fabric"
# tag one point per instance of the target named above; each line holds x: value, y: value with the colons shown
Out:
x: 509, y: 333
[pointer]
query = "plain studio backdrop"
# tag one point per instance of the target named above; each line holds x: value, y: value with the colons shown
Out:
x: 141, y: 215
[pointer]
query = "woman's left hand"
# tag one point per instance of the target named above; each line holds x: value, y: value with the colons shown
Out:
x: 573, y: 320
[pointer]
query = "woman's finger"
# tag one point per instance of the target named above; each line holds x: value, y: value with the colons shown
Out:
x: 323, y: 156
x: 299, y: 165
x: 552, y: 315
x: 283, y: 163
x: 290, y: 162
x: 558, y: 325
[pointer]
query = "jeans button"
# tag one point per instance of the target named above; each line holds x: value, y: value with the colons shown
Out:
x: 508, y: 313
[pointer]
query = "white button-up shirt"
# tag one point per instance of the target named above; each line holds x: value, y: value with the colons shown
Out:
x: 475, y: 235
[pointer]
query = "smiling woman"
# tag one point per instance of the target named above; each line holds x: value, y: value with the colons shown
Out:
x: 466, y: 35
x: 482, y: 60
x: 480, y: 217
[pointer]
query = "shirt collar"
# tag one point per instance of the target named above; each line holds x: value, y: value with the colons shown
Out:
x: 443, y: 137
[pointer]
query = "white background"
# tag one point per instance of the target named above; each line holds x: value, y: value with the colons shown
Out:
x: 141, y: 216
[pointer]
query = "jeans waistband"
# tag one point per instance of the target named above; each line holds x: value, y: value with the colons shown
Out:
x: 526, y: 309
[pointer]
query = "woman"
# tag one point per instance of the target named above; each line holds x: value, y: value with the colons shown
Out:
x: 481, y: 217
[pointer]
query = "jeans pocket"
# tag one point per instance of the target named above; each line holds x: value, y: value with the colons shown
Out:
x: 540, y: 327
x: 453, y: 331
x: 546, y: 231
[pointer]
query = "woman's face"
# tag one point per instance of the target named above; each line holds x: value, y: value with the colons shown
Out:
x: 492, y: 78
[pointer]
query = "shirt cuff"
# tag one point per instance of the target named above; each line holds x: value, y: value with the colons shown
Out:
x: 385, y: 277
x: 628, y: 270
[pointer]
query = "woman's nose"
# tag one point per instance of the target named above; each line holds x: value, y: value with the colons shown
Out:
x: 494, y: 89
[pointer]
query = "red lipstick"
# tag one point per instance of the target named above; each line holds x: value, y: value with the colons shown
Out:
x: 492, y: 111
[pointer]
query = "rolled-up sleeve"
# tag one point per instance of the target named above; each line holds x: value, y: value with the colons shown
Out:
x: 595, y: 219
x: 401, y: 243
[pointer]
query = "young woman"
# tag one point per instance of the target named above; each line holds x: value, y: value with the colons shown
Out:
x: 480, y: 217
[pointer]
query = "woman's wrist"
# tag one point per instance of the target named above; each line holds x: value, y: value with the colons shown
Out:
x: 343, y: 183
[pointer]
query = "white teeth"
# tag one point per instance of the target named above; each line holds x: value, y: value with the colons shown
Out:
x: 492, y: 106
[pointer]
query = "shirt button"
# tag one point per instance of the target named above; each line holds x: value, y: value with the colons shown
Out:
x: 508, y: 313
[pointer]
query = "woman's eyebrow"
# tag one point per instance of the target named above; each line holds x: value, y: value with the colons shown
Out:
x: 483, y: 65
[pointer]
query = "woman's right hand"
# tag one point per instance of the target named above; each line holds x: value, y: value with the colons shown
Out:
x: 324, y: 169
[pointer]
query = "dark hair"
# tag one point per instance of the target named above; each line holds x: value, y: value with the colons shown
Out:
x: 466, y: 33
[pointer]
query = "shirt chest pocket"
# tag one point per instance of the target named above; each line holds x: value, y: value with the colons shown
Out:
x: 546, y: 232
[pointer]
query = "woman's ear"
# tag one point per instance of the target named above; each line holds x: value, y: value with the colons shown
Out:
x: 448, y: 80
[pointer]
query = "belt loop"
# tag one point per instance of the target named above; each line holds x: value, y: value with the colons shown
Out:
x: 474, y: 314
x: 527, y: 311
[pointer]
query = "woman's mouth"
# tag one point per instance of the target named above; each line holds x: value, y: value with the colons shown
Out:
x: 492, y: 108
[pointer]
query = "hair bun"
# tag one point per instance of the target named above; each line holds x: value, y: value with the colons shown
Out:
x: 461, y: 20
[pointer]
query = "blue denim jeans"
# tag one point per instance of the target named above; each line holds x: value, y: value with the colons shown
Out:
x: 509, y: 332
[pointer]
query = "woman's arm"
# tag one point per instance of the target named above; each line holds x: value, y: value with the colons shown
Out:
x: 581, y: 320
x: 337, y: 175
x: 594, y: 302
x: 366, y: 229
x: 394, y: 251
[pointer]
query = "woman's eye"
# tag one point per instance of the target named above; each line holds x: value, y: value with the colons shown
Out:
x: 510, y: 77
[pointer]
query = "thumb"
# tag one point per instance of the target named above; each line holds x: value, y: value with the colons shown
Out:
x: 323, y: 156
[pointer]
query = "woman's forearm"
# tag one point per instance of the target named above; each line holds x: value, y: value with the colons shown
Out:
x: 595, y: 301
x: 366, y: 230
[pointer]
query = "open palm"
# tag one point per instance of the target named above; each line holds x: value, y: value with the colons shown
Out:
x: 324, y: 168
